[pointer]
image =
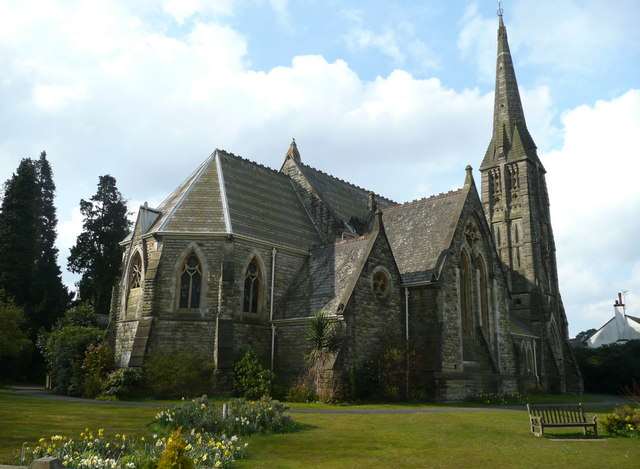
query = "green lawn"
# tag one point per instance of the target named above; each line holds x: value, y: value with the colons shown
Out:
x: 27, y: 418
x: 496, y: 439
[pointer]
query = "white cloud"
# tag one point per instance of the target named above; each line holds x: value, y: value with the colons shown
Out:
x: 398, y: 42
x: 56, y: 97
x: 594, y: 202
x: 182, y: 10
x: 127, y: 98
x: 570, y: 35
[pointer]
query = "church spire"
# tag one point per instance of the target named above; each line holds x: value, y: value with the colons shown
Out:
x: 509, y: 125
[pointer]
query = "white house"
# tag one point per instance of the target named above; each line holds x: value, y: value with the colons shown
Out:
x: 620, y: 328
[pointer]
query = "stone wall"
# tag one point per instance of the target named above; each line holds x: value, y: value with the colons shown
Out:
x: 494, y: 363
x: 373, y: 322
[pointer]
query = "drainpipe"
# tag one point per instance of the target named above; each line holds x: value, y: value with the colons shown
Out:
x: 274, y: 251
x: 535, y: 362
x: 406, y: 326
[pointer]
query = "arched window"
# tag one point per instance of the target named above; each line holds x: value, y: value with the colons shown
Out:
x: 484, y: 295
x: 252, y: 287
x: 135, y: 272
x: 466, y: 306
x: 190, y: 283
x: 134, y: 290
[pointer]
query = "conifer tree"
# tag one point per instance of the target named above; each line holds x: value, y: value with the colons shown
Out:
x: 97, y: 254
x: 29, y: 272
x: 19, y: 235
x: 50, y: 297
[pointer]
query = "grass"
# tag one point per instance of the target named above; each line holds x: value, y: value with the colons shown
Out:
x: 27, y: 419
x: 496, y: 439
x: 439, y: 440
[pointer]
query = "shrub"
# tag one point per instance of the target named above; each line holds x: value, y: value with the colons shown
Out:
x: 250, y: 379
x: 98, y: 362
x: 122, y: 383
x: 13, y: 338
x: 64, y: 352
x: 610, y: 368
x: 624, y: 421
x: 301, y: 391
x: 175, y: 453
x: 183, y: 374
x: 263, y: 416
x: 15, y: 346
x: 197, y: 414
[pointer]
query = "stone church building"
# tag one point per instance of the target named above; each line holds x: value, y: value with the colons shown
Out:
x: 464, y: 283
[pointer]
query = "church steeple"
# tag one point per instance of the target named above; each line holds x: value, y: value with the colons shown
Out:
x: 516, y: 205
x: 510, y: 138
x: 293, y: 152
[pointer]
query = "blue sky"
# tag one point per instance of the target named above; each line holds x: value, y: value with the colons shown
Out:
x: 395, y: 96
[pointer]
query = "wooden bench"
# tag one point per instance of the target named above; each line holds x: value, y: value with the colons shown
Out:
x: 560, y: 416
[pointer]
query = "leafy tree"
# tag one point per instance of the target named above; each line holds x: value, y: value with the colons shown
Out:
x: 583, y: 336
x: 610, y: 368
x: 81, y: 314
x: 64, y: 352
x: 19, y: 234
x: 13, y: 338
x: 96, y: 254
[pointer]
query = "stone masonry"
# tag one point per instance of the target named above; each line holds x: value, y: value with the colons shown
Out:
x: 460, y: 289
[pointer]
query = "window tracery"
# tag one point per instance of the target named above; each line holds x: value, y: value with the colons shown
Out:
x: 135, y: 272
x: 190, y: 283
x: 252, y: 286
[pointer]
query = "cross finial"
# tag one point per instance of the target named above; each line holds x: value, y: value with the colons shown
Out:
x: 500, y: 9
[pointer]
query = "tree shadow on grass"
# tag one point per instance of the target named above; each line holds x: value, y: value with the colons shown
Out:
x: 296, y: 427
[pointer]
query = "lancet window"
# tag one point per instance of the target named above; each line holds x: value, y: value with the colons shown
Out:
x: 252, y: 287
x: 190, y: 283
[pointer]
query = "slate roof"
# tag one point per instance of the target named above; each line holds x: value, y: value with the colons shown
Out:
x: 196, y: 206
x: 346, y: 199
x: 420, y: 231
x: 327, y: 278
x: 263, y: 204
x: 256, y: 201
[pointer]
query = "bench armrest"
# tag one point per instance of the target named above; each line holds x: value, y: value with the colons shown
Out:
x: 535, y: 419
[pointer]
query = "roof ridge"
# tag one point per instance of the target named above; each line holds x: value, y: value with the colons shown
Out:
x: 439, y: 195
x: 348, y: 183
x: 254, y: 163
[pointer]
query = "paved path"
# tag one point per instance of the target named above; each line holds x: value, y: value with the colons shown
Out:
x: 38, y: 392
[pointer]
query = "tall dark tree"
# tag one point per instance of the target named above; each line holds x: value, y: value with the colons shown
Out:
x: 19, y: 235
x: 29, y: 272
x: 50, y: 297
x: 96, y: 254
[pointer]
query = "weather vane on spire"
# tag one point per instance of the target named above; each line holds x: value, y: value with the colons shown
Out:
x: 500, y: 10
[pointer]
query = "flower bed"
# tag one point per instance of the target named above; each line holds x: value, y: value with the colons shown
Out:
x: 99, y: 451
x: 243, y: 417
